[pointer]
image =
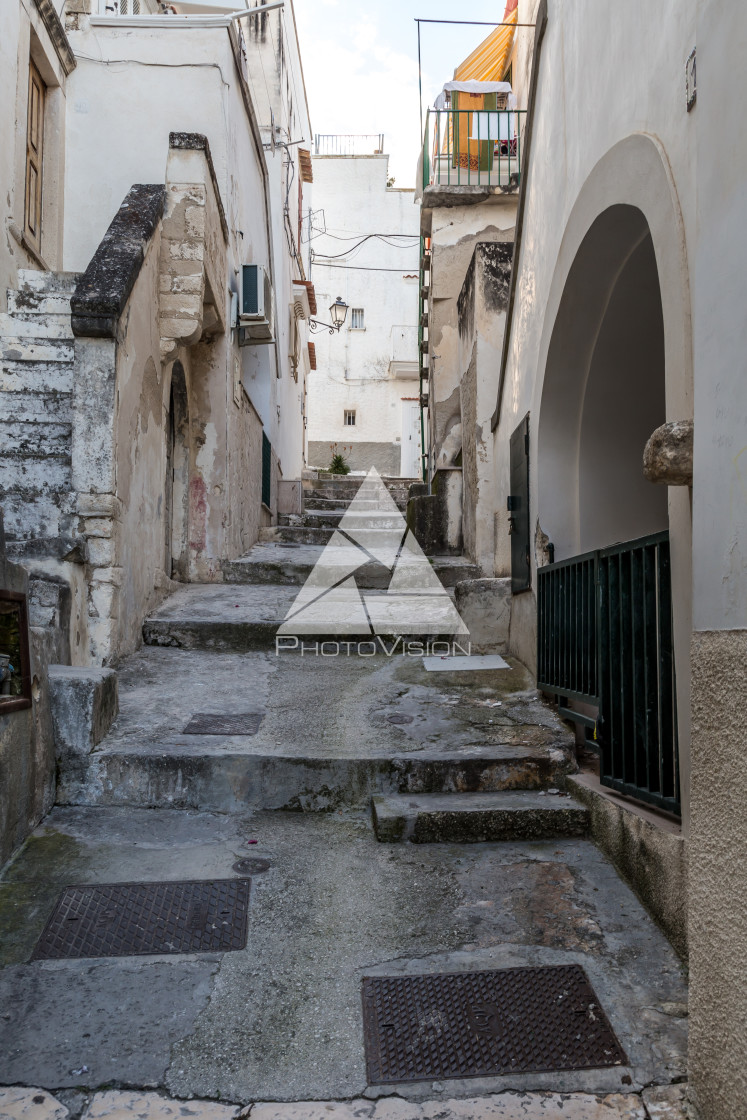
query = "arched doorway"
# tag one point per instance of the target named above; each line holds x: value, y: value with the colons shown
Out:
x: 603, y: 392
x: 605, y: 633
x: 176, y: 505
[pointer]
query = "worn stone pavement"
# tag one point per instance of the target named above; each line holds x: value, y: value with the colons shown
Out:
x: 275, y: 1031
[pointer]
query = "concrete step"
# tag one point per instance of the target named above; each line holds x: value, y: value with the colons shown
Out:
x: 236, y: 619
x: 463, y: 818
x: 277, y: 562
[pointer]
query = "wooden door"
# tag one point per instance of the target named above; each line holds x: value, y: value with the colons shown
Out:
x: 34, y: 157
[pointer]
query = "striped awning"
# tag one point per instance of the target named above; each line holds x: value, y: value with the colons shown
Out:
x: 489, y: 61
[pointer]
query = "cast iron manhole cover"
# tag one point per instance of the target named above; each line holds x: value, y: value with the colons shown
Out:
x: 205, y: 723
x: 482, y: 1024
x: 137, y: 919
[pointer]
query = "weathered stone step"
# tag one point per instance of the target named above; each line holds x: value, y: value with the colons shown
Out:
x: 36, y: 326
x: 310, y: 503
x: 233, y: 619
x: 27, y: 301
x: 14, y: 348
x: 318, y: 519
x: 40, y: 407
x: 294, y: 534
x: 35, y: 439
x: 286, y: 563
x: 463, y: 818
x: 35, y: 377
x: 32, y: 279
x: 224, y: 775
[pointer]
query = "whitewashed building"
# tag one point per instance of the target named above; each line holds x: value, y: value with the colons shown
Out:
x: 150, y: 426
x: 364, y: 239
x: 609, y: 361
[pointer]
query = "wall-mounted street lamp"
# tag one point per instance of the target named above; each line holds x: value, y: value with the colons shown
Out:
x: 337, y: 312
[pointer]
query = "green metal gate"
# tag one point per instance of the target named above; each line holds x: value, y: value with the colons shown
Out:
x: 605, y: 637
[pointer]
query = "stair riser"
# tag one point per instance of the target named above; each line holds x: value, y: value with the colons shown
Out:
x: 37, y: 408
x: 483, y: 827
x: 245, y: 637
x: 368, y: 578
x: 16, y: 349
x: 37, y: 377
x: 36, y: 326
x: 369, y: 520
x: 26, y: 303
x: 235, y: 782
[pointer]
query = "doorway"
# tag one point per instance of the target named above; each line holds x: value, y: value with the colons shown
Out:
x: 411, y: 449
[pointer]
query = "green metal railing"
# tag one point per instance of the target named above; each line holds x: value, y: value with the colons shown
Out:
x: 605, y: 637
x: 465, y: 147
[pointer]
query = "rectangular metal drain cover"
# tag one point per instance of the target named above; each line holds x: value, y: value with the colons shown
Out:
x: 483, y: 1024
x: 137, y: 919
x: 205, y: 723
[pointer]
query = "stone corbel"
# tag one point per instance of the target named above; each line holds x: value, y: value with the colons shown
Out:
x: 194, y: 236
x: 668, y: 455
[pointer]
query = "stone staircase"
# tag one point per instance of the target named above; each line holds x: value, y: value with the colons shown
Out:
x: 437, y: 756
x: 36, y: 402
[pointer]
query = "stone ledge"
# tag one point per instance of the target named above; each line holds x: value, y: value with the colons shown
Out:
x: 104, y: 288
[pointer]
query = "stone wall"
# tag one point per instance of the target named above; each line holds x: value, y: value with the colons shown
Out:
x: 360, y: 456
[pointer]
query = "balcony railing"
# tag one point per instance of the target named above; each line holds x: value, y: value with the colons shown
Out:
x: 128, y: 7
x: 465, y: 147
x: 349, y: 144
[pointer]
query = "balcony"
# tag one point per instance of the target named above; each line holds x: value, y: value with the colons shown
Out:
x: 403, y: 364
x: 471, y: 152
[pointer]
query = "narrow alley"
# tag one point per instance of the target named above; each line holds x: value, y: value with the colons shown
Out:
x: 471, y: 765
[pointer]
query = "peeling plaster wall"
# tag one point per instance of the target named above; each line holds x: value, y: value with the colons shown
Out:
x: 482, y: 318
x: 454, y: 234
x: 142, y: 401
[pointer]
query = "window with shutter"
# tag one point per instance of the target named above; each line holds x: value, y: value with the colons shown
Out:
x: 34, y: 157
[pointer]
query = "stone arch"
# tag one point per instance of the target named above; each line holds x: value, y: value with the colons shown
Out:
x: 630, y: 197
x: 604, y: 391
x: 623, y: 249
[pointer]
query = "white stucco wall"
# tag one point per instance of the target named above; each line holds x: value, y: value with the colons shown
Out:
x: 118, y: 121
x: 353, y: 367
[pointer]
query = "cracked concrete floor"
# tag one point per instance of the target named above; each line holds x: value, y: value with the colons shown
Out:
x: 281, y: 1020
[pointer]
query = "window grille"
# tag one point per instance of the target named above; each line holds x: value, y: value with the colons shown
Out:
x: 349, y: 418
x: 357, y: 321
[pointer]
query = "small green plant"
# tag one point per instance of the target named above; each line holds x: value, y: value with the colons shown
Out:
x: 339, y: 464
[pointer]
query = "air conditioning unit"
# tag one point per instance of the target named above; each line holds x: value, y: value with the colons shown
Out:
x: 257, y: 306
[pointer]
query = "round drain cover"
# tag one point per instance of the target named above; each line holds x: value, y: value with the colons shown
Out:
x: 251, y: 866
x: 398, y: 717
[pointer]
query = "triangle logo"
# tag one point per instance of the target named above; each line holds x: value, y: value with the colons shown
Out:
x: 373, y: 531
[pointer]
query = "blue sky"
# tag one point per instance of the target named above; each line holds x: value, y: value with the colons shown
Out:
x: 361, y: 65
